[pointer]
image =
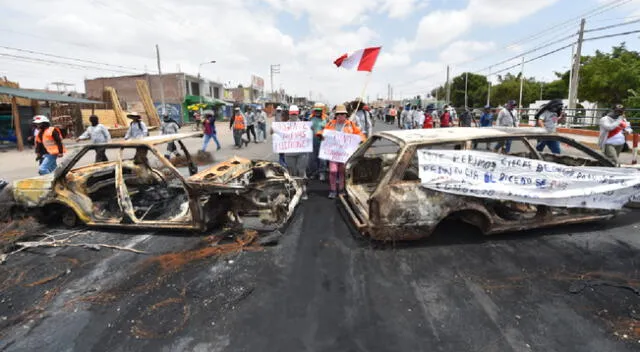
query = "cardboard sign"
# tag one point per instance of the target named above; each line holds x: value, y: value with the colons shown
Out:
x: 502, y: 177
x: 337, y: 146
x: 292, y: 137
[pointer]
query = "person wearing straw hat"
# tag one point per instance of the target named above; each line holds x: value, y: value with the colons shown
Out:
x: 337, y: 170
x: 317, y: 167
x: 137, y: 128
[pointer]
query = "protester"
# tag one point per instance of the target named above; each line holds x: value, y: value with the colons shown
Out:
x: 170, y: 126
x: 405, y: 118
x: 613, y: 127
x: 467, y: 119
x: 278, y: 115
x: 337, y: 170
x: 238, y: 124
x: 49, y: 146
x: 317, y: 166
x: 393, y: 114
x: 198, y: 120
x: 296, y: 163
x: 428, y: 117
x: 98, y: 134
x: 137, y: 128
x: 261, y: 120
x: 251, y: 123
x: 453, y: 116
x: 209, y: 127
x: 486, y: 120
x: 363, y: 120
x: 548, y: 117
x: 445, y: 118
x: 507, y: 117
x: 418, y: 117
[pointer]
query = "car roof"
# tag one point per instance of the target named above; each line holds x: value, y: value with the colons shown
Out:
x: 153, y: 140
x: 436, y: 135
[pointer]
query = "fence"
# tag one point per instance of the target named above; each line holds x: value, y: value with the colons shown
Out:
x: 583, y: 118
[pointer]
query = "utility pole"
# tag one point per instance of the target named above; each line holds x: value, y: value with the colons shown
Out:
x: 275, y: 69
x: 448, y: 91
x: 521, y: 82
x: 489, y: 87
x: 160, y: 80
x: 466, y: 85
x: 575, y: 77
x: 573, y: 53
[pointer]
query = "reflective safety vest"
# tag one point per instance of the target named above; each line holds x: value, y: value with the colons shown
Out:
x: 49, y: 143
x: 238, y: 122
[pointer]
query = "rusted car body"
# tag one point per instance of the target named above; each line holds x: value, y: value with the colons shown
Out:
x: 385, y: 200
x: 142, y: 188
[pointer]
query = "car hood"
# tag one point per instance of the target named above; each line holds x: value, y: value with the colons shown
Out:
x: 233, y: 173
x: 31, y: 191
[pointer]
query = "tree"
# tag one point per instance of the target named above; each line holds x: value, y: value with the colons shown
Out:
x: 477, y: 86
x: 606, y: 78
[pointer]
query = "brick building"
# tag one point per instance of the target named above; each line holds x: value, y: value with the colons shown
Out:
x: 179, y: 90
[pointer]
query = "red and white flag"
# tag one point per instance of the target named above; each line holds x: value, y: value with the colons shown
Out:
x: 362, y: 60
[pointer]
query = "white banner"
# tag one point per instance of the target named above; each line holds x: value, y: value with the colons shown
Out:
x: 292, y: 137
x: 502, y: 177
x: 337, y: 146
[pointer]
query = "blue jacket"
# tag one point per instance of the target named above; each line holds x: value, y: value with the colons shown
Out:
x: 486, y: 119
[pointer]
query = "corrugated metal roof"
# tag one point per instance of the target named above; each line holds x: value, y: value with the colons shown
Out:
x: 29, y: 94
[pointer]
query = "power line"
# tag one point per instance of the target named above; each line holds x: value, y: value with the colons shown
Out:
x: 51, y: 62
x: 533, y: 59
x: 69, y: 58
x: 612, y: 26
x: 612, y: 35
x: 529, y: 52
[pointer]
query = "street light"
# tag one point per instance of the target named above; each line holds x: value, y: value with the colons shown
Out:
x: 200, y: 80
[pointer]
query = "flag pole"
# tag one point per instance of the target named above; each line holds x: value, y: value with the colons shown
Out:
x: 364, y: 90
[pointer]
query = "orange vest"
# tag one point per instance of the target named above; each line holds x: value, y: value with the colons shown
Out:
x: 349, y: 127
x: 238, y: 122
x: 50, y: 143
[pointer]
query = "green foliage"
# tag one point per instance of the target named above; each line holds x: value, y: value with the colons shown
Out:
x: 607, y: 77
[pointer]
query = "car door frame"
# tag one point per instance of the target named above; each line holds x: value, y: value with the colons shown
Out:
x: 129, y: 218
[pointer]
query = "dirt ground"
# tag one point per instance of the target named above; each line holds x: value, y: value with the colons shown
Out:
x: 315, y: 286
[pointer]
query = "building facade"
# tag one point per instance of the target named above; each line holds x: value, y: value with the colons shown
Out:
x: 179, y: 90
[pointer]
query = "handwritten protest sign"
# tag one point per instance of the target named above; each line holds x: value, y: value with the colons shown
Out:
x: 337, y: 146
x: 292, y: 137
x: 503, y: 177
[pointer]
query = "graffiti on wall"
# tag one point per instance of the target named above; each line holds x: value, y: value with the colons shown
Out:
x: 174, y: 110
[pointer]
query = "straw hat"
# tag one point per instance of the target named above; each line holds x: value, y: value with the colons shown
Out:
x: 340, y: 109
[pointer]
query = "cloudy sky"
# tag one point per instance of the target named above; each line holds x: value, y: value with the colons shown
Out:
x: 419, y: 39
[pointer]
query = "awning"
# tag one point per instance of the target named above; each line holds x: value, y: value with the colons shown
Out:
x: 43, y: 96
x: 194, y: 99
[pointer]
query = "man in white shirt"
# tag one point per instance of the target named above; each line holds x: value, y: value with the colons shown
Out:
x: 613, y: 127
x: 507, y: 117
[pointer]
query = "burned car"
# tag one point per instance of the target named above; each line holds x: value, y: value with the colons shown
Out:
x: 475, y: 175
x: 140, y: 187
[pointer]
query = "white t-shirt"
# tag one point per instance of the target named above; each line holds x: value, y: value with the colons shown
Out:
x: 618, y: 139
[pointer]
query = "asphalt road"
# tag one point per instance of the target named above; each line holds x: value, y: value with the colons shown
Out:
x: 316, y: 286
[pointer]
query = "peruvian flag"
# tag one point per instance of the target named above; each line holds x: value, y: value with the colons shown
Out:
x: 362, y: 60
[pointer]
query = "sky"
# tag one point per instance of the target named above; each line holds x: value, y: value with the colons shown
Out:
x: 419, y: 39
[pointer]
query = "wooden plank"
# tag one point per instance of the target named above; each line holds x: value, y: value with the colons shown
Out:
x: 149, y: 108
x: 120, y: 115
x: 16, y: 123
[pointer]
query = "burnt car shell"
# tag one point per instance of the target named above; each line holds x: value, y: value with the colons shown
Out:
x: 131, y: 192
x: 384, y: 198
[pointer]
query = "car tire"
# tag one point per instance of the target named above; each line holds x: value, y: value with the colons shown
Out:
x: 68, y: 217
x: 55, y: 214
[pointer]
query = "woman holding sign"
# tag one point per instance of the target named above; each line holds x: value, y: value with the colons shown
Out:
x: 337, y: 169
x: 293, y: 138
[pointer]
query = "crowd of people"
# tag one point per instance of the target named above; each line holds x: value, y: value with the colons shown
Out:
x: 252, y: 122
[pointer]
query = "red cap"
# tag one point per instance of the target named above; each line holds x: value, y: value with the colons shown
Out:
x: 366, y: 108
